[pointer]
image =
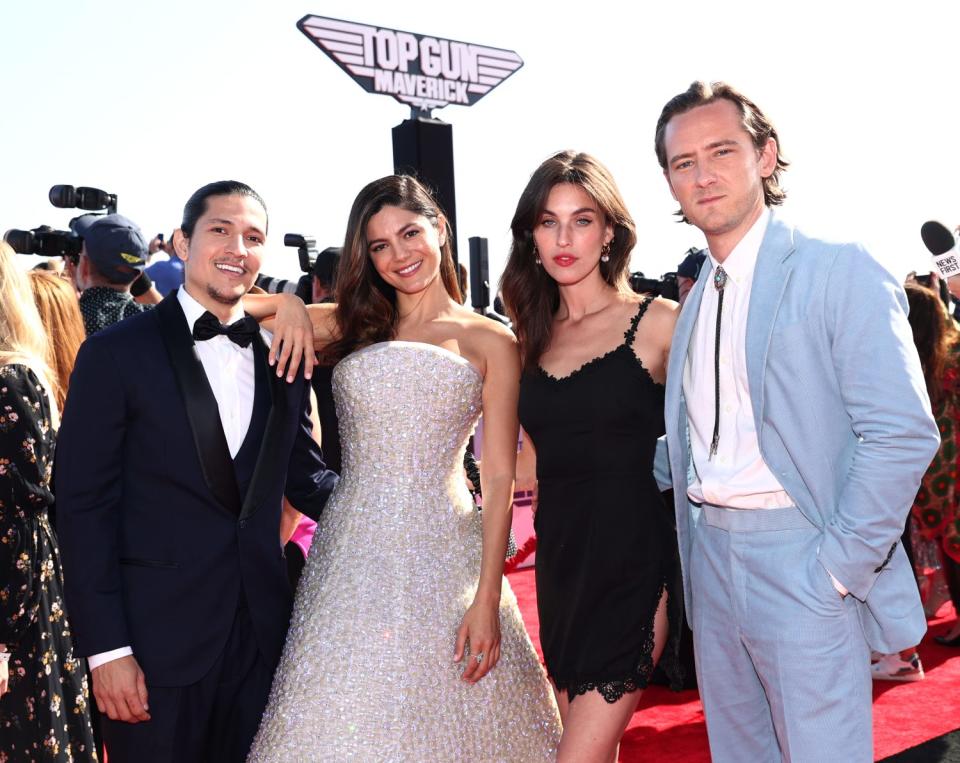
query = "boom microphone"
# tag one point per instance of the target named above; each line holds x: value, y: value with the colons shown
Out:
x: 937, y: 237
x: 942, y: 245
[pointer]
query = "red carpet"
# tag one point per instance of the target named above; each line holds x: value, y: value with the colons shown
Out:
x: 669, y: 725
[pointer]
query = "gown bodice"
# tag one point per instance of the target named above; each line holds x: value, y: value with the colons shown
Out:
x: 406, y: 411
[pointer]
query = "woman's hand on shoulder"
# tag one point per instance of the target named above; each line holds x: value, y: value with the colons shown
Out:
x: 292, y: 338
x: 298, y: 330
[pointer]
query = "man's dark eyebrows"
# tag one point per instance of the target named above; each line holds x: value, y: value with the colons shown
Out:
x: 684, y: 155
x: 225, y: 221
x: 714, y: 144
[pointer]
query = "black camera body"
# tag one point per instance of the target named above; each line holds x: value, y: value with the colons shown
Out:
x: 49, y: 242
x: 45, y: 242
x: 667, y: 286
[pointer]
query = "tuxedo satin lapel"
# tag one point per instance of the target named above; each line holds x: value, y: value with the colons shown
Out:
x: 770, y: 278
x: 200, y: 404
x: 268, y: 468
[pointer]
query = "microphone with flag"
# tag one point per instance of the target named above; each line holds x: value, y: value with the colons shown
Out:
x: 938, y: 238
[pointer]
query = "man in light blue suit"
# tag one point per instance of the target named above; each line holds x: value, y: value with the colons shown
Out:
x: 798, y: 428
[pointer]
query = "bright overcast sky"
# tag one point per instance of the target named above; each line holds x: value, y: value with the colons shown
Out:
x: 150, y: 100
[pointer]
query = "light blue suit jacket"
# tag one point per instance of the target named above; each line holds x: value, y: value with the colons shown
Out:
x: 841, y: 411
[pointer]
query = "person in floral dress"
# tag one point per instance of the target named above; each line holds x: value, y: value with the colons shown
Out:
x: 936, y: 507
x: 44, y: 707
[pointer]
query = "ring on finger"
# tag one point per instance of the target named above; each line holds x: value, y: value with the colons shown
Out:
x: 479, y: 657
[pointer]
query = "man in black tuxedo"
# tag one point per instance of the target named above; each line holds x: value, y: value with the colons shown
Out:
x: 176, y: 448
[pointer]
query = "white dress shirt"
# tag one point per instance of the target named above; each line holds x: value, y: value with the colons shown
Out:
x: 229, y: 369
x: 736, y: 476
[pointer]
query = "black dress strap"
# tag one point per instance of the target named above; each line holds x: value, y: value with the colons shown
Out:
x: 631, y: 332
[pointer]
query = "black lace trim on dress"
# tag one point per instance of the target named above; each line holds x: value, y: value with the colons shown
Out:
x: 628, y: 337
x: 639, y: 679
x: 631, y: 332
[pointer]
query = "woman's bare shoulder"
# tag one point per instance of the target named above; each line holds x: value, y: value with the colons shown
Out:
x: 664, y: 309
x: 659, y: 321
x: 487, y: 330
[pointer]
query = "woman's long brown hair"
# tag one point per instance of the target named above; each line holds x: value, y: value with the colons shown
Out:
x: 366, y: 310
x: 934, y: 334
x: 56, y: 301
x: 529, y: 294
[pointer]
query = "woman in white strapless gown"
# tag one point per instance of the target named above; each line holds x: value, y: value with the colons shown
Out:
x: 401, y: 577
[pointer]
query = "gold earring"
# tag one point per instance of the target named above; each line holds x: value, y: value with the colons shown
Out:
x: 605, y: 252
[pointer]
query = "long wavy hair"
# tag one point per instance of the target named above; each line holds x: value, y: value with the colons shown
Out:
x: 934, y: 335
x: 22, y: 338
x: 366, y: 311
x: 530, y: 295
x: 56, y: 301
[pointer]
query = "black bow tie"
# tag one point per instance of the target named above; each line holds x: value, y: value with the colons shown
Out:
x: 240, y: 332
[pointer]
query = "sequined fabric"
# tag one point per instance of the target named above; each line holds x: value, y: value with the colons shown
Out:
x: 367, y: 671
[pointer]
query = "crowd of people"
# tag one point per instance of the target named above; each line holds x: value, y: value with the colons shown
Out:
x: 738, y: 461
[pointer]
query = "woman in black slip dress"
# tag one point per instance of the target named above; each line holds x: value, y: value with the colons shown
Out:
x: 591, y: 400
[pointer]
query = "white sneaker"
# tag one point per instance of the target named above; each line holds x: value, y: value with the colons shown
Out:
x: 891, y: 668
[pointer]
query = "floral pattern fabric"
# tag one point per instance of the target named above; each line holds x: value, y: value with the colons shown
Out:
x: 936, y: 507
x: 45, y: 714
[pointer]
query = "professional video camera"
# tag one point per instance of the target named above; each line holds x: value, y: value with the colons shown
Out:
x: 44, y: 241
x: 307, y: 253
x: 306, y: 247
x: 49, y: 242
x: 666, y: 287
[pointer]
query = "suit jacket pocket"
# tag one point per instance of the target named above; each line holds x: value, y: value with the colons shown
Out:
x: 156, y: 563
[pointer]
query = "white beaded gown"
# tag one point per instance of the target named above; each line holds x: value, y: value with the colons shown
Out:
x: 367, y: 671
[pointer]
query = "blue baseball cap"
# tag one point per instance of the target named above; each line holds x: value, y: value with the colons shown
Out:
x: 114, y: 244
x: 690, y: 267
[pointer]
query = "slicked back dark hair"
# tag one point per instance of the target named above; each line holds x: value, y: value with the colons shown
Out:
x: 196, y: 205
x: 754, y: 121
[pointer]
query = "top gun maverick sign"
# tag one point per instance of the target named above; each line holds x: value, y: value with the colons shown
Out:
x: 423, y: 72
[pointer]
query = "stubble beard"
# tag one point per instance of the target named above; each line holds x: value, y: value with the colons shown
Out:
x: 224, y: 299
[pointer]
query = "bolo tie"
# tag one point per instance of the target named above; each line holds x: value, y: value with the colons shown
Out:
x: 719, y: 281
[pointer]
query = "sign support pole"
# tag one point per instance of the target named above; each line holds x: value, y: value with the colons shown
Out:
x: 423, y: 147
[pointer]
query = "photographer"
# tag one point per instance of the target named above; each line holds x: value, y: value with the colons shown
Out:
x: 167, y: 274
x: 688, y: 271
x: 325, y: 275
x: 109, y: 271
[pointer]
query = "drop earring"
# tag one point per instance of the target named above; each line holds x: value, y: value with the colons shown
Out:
x: 605, y: 252
x: 536, y: 255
